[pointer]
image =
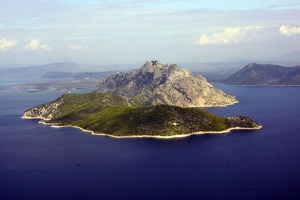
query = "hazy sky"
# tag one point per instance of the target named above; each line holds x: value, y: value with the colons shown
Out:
x: 134, y: 31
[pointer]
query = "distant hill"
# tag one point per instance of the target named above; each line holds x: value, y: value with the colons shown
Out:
x: 66, y: 76
x: 290, y: 57
x: 13, y: 65
x: 266, y: 74
x: 79, y: 75
x: 41, y: 70
x: 63, y: 70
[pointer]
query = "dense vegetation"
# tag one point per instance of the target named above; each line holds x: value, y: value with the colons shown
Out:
x: 114, y: 115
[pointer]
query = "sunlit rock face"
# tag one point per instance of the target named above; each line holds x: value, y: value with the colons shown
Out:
x: 44, y: 111
x: 158, y: 83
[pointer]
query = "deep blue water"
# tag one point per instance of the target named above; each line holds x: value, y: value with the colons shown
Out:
x: 40, y: 162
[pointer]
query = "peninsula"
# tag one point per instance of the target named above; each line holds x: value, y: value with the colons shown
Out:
x: 265, y: 74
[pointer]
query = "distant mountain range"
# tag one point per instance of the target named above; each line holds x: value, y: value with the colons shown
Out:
x: 227, y: 73
x: 66, y: 76
x: 290, y: 57
x: 41, y: 70
x: 65, y: 70
x: 265, y: 74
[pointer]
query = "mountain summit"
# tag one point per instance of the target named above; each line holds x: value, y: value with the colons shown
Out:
x: 157, y: 83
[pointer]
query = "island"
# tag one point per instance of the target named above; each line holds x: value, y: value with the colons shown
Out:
x: 127, y: 105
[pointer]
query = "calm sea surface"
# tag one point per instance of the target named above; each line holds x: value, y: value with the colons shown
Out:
x: 40, y: 162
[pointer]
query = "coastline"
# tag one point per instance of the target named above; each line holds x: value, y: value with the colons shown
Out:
x: 217, y: 106
x: 143, y: 136
x: 259, y: 85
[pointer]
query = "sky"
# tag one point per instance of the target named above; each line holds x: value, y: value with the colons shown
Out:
x: 134, y: 31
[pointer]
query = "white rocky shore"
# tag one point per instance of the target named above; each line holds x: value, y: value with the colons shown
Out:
x: 54, y: 125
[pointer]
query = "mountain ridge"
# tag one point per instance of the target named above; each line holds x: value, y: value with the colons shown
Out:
x: 158, y: 83
x: 265, y: 74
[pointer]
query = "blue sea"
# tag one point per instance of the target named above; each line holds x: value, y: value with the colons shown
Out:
x: 40, y: 162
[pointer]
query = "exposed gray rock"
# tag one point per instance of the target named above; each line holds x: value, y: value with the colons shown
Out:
x: 44, y: 111
x: 158, y: 83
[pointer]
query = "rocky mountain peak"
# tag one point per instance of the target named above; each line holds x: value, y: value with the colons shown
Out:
x: 158, y: 83
x: 159, y: 70
x: 151, y: 66
x: 155, y: 62
x: 251, y: 65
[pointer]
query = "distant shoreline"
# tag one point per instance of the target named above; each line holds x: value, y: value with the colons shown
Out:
x: 259, y: 85
x: 142, y: 136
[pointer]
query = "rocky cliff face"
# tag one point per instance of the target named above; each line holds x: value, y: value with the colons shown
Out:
x: 158, y: 83
x: 44, y: 111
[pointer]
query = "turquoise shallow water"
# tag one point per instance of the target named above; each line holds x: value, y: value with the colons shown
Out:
x: 40, y: 162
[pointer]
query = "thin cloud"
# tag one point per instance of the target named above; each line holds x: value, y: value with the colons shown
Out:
x: 6, y: 44
x: 78, y: 47
x: 229, y: 36
x: 288, y: 30
x: 35, y: 44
